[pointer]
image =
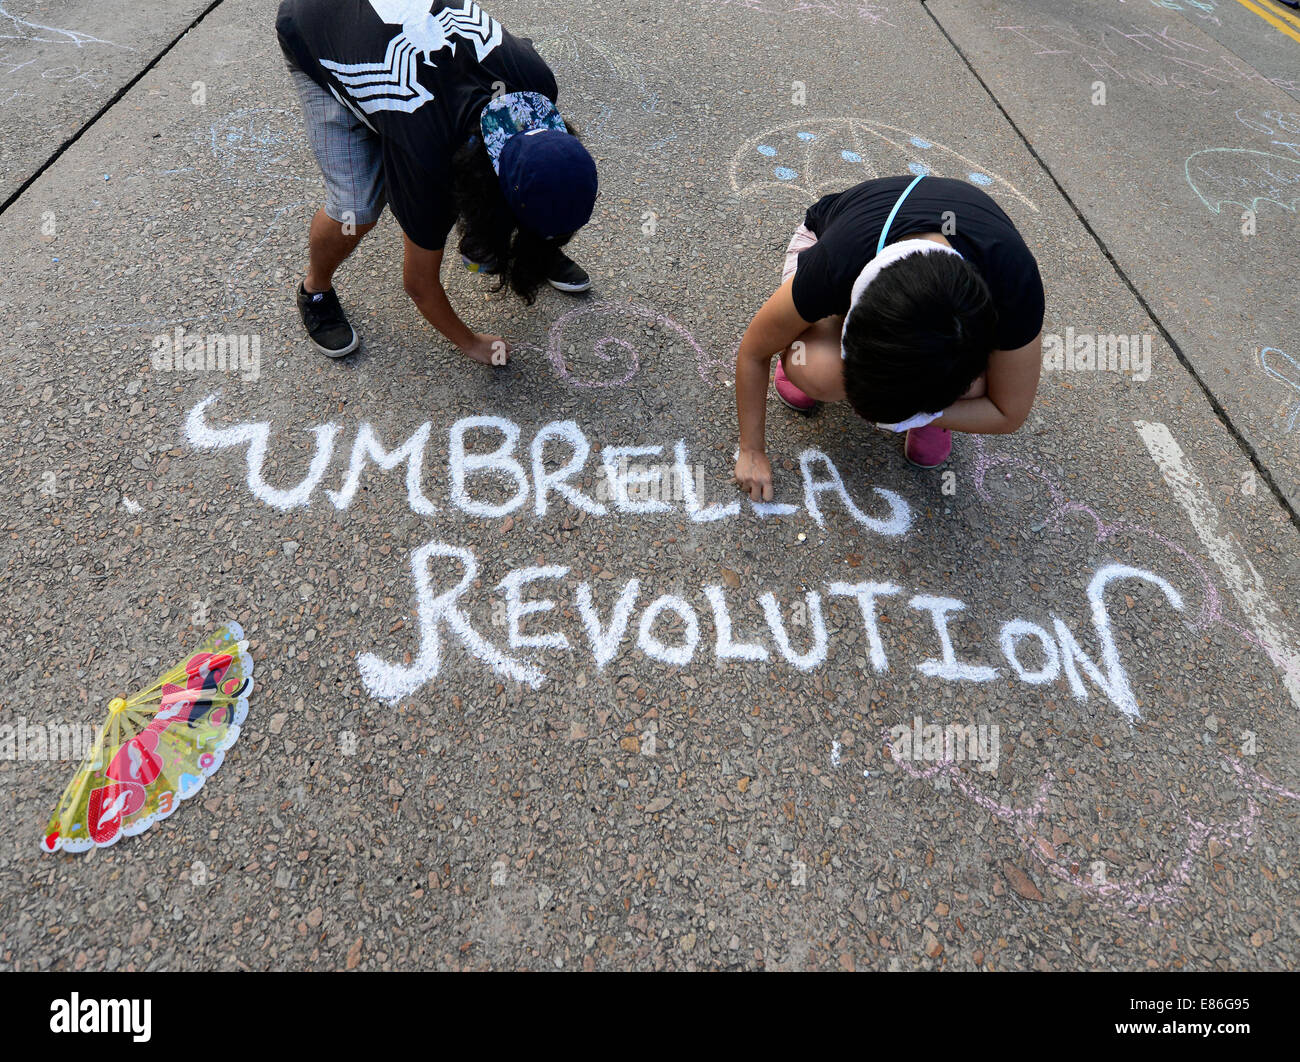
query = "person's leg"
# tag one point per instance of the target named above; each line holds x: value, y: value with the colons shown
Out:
x: 328, y: 244
x: 929, y: 446
x: 812, y: 363
x: 348, y: 154
x: 786, y: 390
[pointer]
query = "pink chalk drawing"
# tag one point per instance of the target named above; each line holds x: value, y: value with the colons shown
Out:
x: 1162, y: 886
x: 617, y: 360
x: 1210, y: 614
x: 1165, y: 884
x: 814, y: 156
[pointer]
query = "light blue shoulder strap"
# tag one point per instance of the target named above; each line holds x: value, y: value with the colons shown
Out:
x: 884, y: 233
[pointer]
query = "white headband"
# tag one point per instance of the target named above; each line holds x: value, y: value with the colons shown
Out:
x: 889, y: 256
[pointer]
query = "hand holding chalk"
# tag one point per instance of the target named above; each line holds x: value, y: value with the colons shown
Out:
x: 488, y: 349
x: 754, y: 474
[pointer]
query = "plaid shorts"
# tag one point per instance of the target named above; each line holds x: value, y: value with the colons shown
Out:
x: 347, y: 151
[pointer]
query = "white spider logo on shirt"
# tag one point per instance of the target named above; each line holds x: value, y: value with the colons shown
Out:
x: 393, y: 85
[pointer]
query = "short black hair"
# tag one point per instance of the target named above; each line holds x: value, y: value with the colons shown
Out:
x: 918, y: 337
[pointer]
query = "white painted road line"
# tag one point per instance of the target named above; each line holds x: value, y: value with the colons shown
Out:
x: 1250, y: 591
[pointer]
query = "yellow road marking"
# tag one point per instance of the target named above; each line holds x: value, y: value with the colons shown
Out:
x: 1274, y: 18
x: 1291, y: 17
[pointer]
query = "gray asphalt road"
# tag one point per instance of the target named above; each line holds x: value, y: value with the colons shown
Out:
x: 1237, y: 26
x: 63, y: 61
x: 1186, y: 162
x: 1108, y: 596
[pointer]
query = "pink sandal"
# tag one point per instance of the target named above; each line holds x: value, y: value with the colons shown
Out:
x: 791, y: 395
x: 928, y: 447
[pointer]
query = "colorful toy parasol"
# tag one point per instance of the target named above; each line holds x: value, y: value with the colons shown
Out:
x: 157, y: 747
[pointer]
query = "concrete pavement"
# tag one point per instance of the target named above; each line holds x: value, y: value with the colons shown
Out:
x: 1113, y: 588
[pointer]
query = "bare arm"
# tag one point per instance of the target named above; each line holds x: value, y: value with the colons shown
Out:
x: 422, y: 278
x: 776, y: 325
x: 1012, y: 384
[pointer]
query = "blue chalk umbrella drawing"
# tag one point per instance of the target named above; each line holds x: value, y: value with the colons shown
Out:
x: 819, y: 155
x: 1243, y: 177
x: 1286, y: 370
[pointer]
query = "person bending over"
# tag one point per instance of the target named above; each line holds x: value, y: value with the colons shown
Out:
x: 915, y: 300
x: 436, y: 110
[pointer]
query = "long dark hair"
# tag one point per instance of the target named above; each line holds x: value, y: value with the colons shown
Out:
x: 489, y: 229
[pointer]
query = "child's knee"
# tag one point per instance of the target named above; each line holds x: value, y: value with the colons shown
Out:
x: 813, y: 364
x: 810, y: 373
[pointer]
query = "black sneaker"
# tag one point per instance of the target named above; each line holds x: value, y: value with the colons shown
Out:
x: 566, y: 275
x: 327, y: 325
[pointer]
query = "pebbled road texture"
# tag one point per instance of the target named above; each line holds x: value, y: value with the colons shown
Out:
x: 1113, y: 588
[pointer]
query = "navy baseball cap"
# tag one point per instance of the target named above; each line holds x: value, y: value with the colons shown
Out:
x: 547, y: 176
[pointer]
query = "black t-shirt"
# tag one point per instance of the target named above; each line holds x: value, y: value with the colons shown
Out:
x: 419, y: 74
x: 848, y: 226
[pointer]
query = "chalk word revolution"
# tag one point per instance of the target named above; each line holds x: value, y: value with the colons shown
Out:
x: 1036, y: 654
